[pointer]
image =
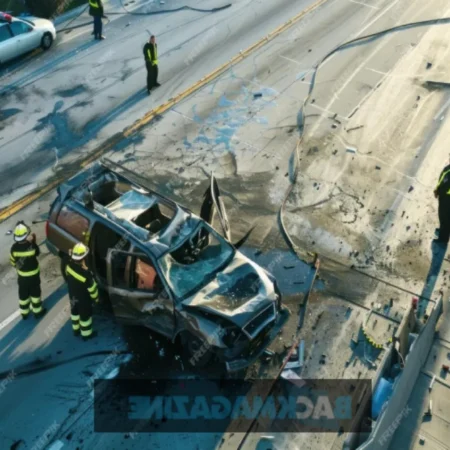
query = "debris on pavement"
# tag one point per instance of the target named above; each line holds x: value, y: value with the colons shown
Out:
x: 429, y: 65
x: 257, y: 95
x: 355, y: 128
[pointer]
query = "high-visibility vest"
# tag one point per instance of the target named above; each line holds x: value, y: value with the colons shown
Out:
x: 149, y: 53
x: 93, y: 4
x: 24, y: 258
x: 443, y: 178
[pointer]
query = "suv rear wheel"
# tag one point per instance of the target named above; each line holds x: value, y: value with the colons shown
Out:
x: 46, y: 41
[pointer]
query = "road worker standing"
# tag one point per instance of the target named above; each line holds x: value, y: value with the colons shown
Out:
x: 82, y: 292
x: 24, y: 257
x: 96, y: 11
x: 442, y: 193
x: 151, y: 62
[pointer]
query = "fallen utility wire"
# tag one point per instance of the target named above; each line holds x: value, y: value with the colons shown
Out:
x: 22, y: 370
x: 148, y: 13
x: 301, y: 126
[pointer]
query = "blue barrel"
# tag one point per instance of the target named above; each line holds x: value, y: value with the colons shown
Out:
x: 382, y: 394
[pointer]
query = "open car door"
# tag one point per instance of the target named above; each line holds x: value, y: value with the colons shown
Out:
x: 135, y: 293
x: 212, y: 202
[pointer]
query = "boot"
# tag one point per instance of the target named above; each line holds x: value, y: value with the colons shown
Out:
x: 41, y: 314
x: 91, y: 336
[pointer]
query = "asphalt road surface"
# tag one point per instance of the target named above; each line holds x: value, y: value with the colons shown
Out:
x: 56, y: 107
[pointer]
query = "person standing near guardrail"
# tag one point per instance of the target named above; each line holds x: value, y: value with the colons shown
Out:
x: 96, y: 11
x: 442, y: 193
x: 24, y: 257
x: 151, y: 62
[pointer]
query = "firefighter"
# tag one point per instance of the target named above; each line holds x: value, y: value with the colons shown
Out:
x: 82, y: 292
x: 151, y: 62
x: 24, y: 257
x: 442, y: 193
x: 96, y: 11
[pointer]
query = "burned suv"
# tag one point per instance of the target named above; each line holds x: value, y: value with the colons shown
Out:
x: 163, y: 267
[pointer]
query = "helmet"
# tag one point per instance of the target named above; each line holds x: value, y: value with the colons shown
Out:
x: 79, y: 252
x: 21, y: 232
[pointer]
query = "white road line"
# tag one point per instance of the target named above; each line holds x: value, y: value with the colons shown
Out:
x: 364, y: 4
x: 314, y: 105
x: 57, y: 445
x: 358, y: 69
x: 9, y: 319
x: 292, y: 60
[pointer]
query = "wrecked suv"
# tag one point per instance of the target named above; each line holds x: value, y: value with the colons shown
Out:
x: 165, y: 268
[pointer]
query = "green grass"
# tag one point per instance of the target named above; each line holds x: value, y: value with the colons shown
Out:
x: 18, y: 6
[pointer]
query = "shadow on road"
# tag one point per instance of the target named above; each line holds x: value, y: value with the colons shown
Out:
x: 438, y: 254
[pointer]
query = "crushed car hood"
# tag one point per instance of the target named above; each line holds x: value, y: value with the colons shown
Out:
x: 237, y: 293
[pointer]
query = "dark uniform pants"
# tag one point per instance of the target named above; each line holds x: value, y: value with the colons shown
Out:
x: 444, y: 217
x: 98, y: 26
x: 81, y: 315
x: 30, y: 294
x: 152, y: 75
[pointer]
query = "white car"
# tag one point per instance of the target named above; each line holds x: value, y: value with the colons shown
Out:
x: 19, y: 36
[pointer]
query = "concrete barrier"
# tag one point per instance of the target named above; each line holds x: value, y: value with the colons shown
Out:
x: 390, y: 419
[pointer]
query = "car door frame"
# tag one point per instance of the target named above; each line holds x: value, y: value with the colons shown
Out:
x: 213, y: 203
x: 120, y: 297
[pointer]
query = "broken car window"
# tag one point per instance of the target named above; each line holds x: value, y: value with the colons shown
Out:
x: 196, y: 261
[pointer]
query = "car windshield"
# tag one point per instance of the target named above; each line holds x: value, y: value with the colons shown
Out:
x: 195, y: 262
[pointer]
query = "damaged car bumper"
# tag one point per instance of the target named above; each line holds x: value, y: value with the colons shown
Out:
x: 237, y: 359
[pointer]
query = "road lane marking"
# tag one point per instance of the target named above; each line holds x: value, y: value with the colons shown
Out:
x: 358, y: 69
x: 292, y: 60
x: 147, y: 118
x: 57, y: 445
x: 364, y: 4
x: 9, y: 319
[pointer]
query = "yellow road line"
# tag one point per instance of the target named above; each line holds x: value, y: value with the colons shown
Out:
x: 147, y: 118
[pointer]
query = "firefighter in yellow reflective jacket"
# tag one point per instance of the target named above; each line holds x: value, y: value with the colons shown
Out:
x: 96, y: 11
x: 23, y: 257
x: 82, y: 292
x: 442, y: 193
x: 151, y: 62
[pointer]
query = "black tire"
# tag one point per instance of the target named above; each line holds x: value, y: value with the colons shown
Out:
x: 196, y: 352
x: 46, y: 41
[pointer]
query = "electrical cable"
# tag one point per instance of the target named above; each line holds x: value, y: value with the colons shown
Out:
x: 301, y: 127
x: 148, y: 13
x: 14, y: 373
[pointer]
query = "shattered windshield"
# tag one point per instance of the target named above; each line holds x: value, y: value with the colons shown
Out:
x: 193, y: 264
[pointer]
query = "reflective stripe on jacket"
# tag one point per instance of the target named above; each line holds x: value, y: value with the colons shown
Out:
x: 443, y: 186
x: 152, y: 53
x: 23, y: 256
x: 82, y: 285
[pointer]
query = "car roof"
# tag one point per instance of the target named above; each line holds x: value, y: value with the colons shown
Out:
x: 128, y: 206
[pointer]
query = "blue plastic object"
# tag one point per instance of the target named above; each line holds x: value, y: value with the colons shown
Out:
x: 381, y: 396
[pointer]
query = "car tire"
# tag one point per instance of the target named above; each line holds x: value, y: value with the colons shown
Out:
x: 195, y: 352
x: 46, y: 41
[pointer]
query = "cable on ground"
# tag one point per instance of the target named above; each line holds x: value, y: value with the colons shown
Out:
x: 148, y: 13
x: 301, y: 127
